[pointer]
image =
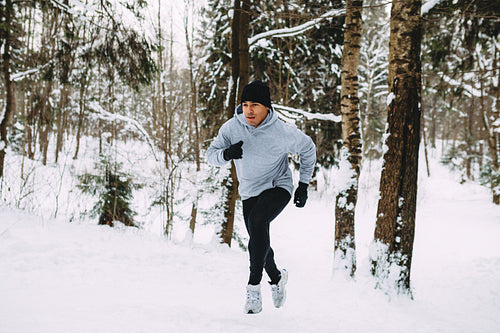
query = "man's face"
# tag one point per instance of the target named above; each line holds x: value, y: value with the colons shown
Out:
x: 254, y: 112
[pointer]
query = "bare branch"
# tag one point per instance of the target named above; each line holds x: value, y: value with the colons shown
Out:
x: 289, y: 32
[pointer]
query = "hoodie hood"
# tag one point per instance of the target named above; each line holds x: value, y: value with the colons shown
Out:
x: 271, y: 117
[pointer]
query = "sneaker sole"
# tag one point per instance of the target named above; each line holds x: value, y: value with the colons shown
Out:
x: 253, y: 311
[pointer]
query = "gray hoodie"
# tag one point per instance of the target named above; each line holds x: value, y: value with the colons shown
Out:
x: 264, y: 164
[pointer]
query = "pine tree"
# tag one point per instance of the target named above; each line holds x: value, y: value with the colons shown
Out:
x: 114, y: 192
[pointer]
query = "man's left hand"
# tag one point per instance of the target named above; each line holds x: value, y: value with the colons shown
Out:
x: 300, y: 196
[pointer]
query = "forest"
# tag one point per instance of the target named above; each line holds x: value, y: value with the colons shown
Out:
x: 107, y: 107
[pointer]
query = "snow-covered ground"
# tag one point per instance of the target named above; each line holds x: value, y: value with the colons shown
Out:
x: 57, y: 276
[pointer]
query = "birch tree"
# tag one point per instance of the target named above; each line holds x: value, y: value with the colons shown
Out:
x: 345, y: 203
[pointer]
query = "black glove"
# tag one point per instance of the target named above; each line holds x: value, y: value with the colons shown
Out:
x: 300, y: 197
x: 234, y: 152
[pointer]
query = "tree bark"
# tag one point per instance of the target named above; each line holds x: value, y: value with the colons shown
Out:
x: 10, y: 100
x: 231, y: 183
x: 345, y: 203
x: 489, y: 116
x: 243, y: 50
x: 231, y: 186
x: 391, y: 254
x: 66, y: 68
x: 169, y: 116
x: 235, y: 62
x: 194, y: 121
x: 45, y: 120
x: 60, y: 121
x: 496, y: 134
x: 81, y: 114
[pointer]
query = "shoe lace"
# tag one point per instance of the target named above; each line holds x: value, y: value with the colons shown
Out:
x: 275, y: 288
x: 252, y: 296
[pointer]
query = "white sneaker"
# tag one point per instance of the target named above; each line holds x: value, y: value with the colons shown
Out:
x: 278, y: 290
x: 254, y: 300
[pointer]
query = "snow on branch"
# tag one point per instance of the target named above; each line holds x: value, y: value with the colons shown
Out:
x: 2, y: 116
x: 76, y: 7
x: 428, y: 6
x: 288, y: 32
x: 496, y: 126
x: 22, y: 75
x: 293, y: 114
x: 100, y: 113
x: 118, y: 11
x: 469, y: 89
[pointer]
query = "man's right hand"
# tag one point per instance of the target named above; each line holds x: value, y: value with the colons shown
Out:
x: 234, y: 152
x: 300, y: 196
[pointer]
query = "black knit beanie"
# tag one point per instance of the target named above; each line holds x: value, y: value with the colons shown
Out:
x: 256, y: 91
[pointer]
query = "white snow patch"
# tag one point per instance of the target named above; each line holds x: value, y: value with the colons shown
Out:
x: 293, y: 114
x: 428, y: 5
x: 58, y: 276
x: 293, y: 31
x: 390, y: 98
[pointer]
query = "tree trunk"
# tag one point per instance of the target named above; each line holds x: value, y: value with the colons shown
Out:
x: 391, y: 253
x: 81, y: 114
x: 231, y: 185
x: 345, y: 203
x: 45, y: 120
x: 10, y: 100
x: 194, y: 213
x: 231, y: 182
x: 424, y: 135
x: 66, y: 68
x: 491, y: 116
x: 169, y: 116
x: 60, y: 121
x: 496, y: 135
x: 193, y: 120
x: 235, y: 61
x: 243, y: 53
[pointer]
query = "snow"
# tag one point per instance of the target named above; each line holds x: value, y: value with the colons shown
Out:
x: 428, y: 5
x: 293, y: 31
x: 23, y: 74
x: 293, y: 114
x: 57, y: 276
x: 100, y: 113
x: 346, y: 175
x: 390, y: 98
x: 2, y: 113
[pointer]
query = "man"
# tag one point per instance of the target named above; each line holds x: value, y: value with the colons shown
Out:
x: 259, y: 144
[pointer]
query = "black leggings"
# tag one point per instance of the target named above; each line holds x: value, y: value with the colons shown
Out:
x: 258, y: 213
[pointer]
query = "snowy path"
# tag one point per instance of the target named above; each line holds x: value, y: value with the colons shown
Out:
x: 68, y: 277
